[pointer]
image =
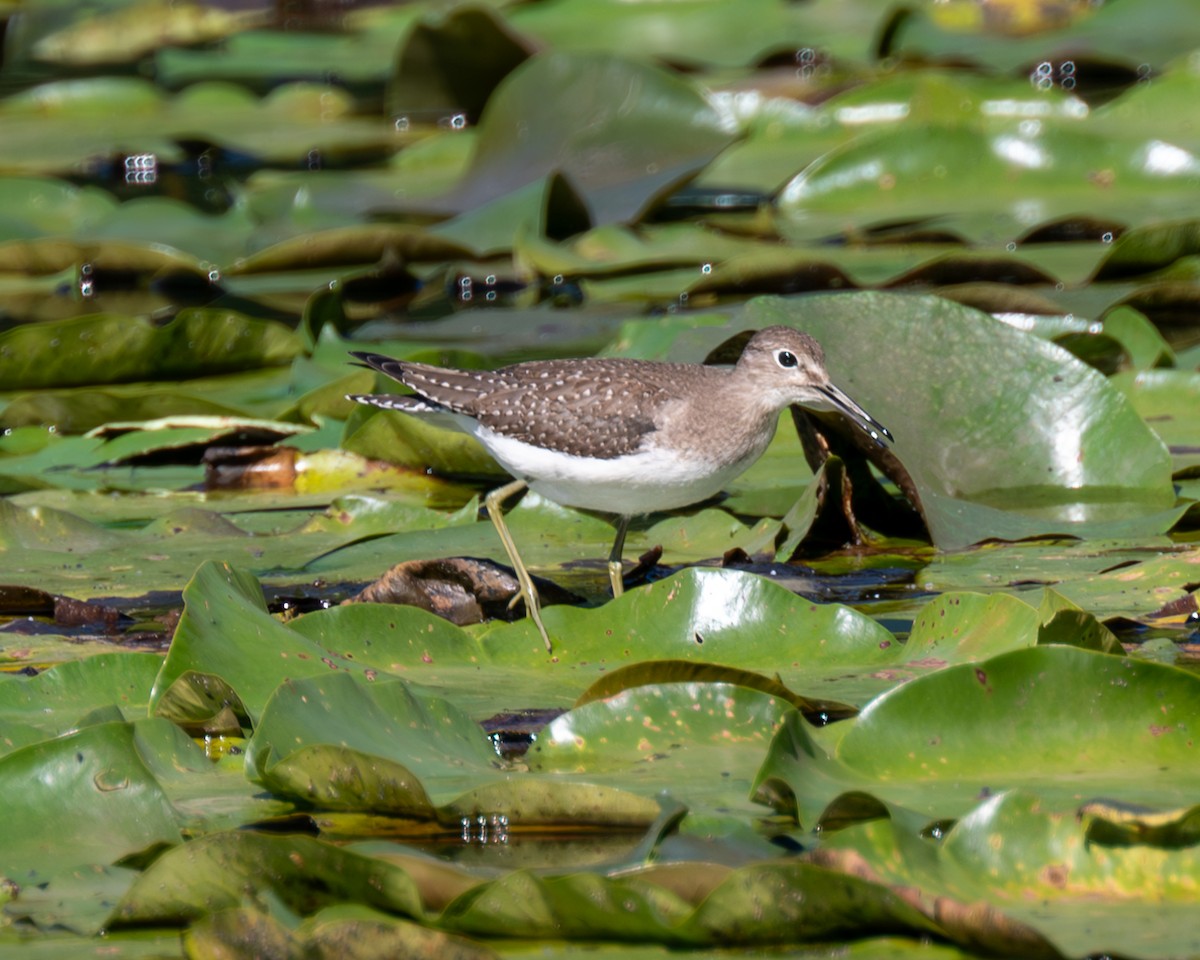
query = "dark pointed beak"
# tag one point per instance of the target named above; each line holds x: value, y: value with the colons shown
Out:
x: 843, y: 404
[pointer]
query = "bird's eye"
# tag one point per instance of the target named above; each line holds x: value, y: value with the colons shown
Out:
x: 786, y: 358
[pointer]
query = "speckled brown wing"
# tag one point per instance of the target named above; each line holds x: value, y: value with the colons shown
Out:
x: 583, y: 407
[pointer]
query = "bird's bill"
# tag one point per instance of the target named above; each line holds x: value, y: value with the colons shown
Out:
x: 843, y: 404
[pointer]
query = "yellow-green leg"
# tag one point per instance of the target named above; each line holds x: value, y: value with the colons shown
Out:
x: 615, y: 566
x: 492, y: 502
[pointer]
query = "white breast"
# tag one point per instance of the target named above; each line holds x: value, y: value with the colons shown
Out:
x: 637, y: 483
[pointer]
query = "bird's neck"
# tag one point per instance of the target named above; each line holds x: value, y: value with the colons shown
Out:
x: 730, y: 415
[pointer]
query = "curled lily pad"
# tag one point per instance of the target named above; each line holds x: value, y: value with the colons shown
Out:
x: 997, y: 396
x: 654, y: 672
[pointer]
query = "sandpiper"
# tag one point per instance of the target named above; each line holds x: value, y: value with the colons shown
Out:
x: 620, y: 436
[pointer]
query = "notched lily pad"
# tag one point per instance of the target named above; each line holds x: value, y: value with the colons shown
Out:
x: 204, y: 705
x: 449, y: 65
x: 622, y: 132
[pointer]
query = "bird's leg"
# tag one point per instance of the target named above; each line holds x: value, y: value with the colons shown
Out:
x: 615, y: 566
x: 492, y: 503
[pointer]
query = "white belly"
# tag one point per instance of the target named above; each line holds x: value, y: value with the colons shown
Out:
x: 633, y: 484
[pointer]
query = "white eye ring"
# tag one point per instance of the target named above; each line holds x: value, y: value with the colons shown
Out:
x: 785, y: 358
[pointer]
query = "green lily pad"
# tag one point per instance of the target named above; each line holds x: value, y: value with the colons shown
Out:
x: 1114, y: 727
x: 166, y: 549
x: 705, y: 615
x: 225, y: 621
x: 697, y: 33
x: 569, y: 113
x: 35, y: 207
x: 1062, y: 856
x: 1107, y: 578
x: 110, y: 349
x: 820, y: 651
x: 450, y: 65
x: 263, y: 393
x: 78, y: 411
x: 96, y: 781
x: 345, y: 930
x: 51, y: 530
x: 909, y: 173
x: 615, y: 249
x: 958, y: 627
x: 58, y: 698
x: 1169, y: 402
x: 756, y: 905
x: 957, y: 415
x: 1107, y: 35
x: 701, y: 742
x: 361, y: 59
x: 406, y: 733
x: 1140, y: 339
x: 294, y: 201
x: 64, y: 125
x: 216, y: 872
x: 72, y: 903
x: 359, y: 767
x: 548, y: 206
x: 1043, y: 864
x: 349, y: 246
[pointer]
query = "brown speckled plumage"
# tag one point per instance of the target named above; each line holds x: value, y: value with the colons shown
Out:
x: 624, y: 436
x: 607, y: 408
x: 591, y: 408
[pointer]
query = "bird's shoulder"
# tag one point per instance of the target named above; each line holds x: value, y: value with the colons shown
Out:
x: 593, y: 407
x: 611, y: 380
